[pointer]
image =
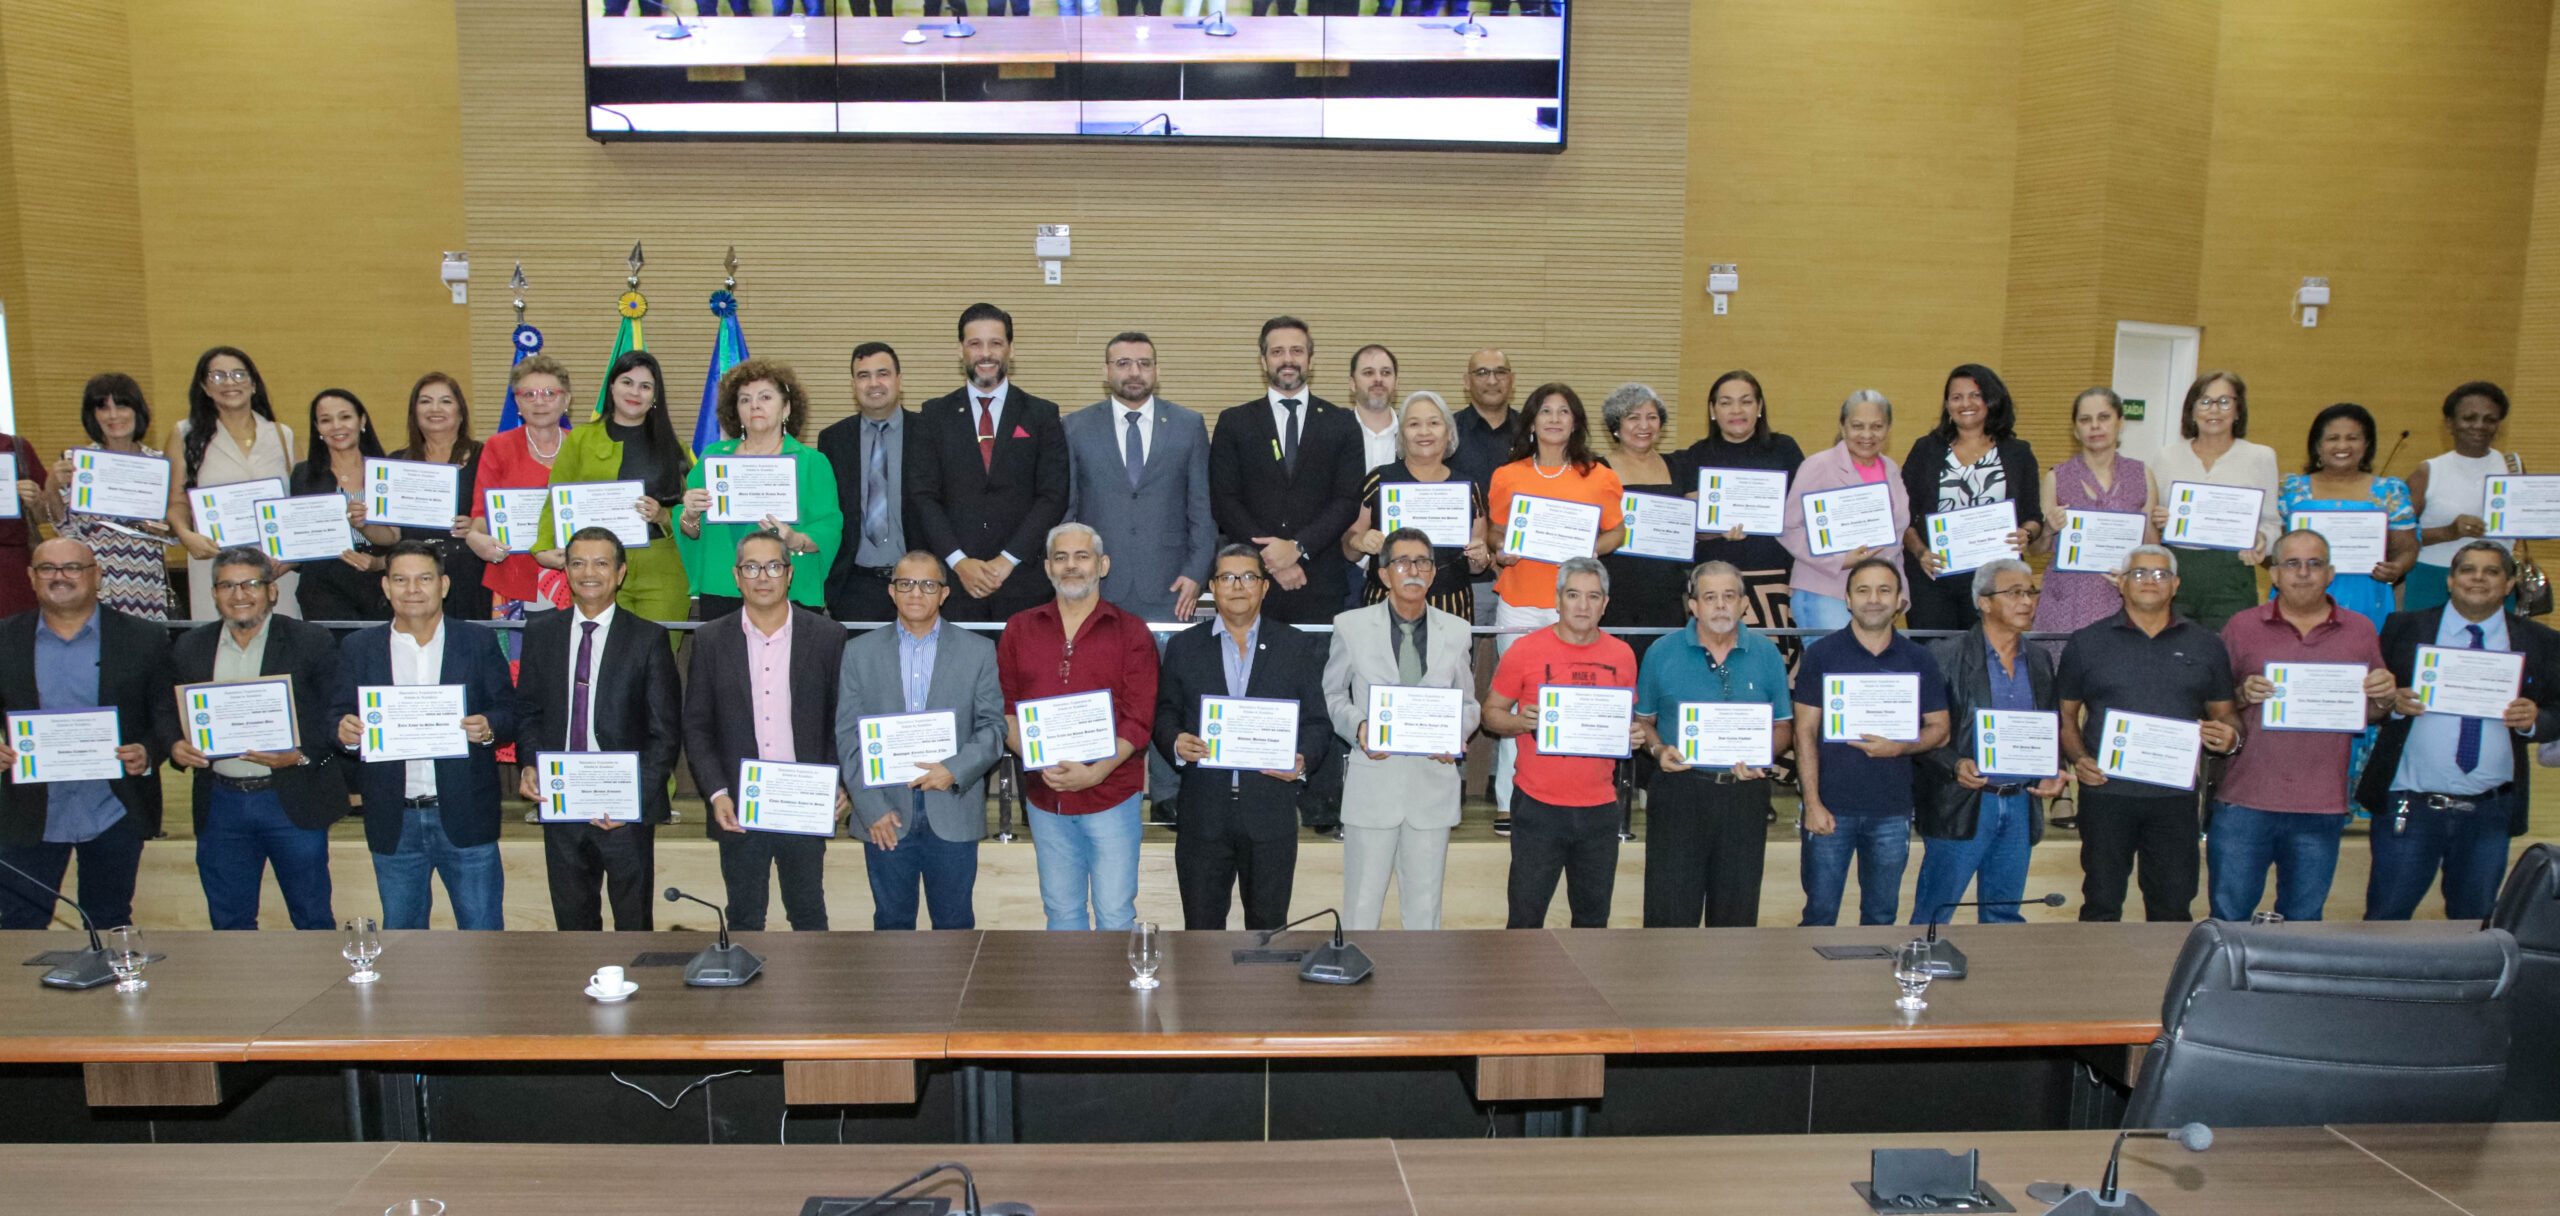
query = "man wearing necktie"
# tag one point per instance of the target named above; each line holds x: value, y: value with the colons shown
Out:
x: 1141, y: 482
x: 988, y: 477
x: 869, y: 453
x: 1284, y: 477
x: 2446, y: 793
x: 595, y: 680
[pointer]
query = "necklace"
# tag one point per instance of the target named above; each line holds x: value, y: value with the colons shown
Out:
x: 1541, y: 471
x: 543, y: 456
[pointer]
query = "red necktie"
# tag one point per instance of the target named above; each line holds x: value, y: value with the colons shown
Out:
x: 987, y: 433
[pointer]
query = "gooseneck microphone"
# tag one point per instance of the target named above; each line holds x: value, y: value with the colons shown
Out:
x: 1334, y: 962
x: 2107, y: 1200
x: 2195, y: 1136
x: 1948, y: 963
x: 968, y: 1193
x: 88, y: 968
x: 721, y: 964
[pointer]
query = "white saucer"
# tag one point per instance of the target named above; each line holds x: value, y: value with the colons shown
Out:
x: 628, y: 987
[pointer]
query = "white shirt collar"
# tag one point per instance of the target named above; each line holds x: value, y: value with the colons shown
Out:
x: 1303, y: 397
x: 1363, y: 416
x: 1145, y: 410
x: 996, y: 394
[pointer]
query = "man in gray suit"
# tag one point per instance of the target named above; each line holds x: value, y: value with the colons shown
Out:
x: 1397, y: 809
x: 1139, y: 477
x: 925, y: 829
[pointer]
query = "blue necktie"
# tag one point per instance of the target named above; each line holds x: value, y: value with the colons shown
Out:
x: 1134, y: 451
x: 875, y: 487
x: 2466, y: 752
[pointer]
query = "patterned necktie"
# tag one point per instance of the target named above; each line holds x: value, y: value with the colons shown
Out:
x: 987, y: 433
x: 2466, y: 752
x: 875, y: 487
x: 1289, y: 436
x: 1134, y: 450
x: 578, y: 690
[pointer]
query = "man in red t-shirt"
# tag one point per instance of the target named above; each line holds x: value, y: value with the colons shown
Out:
x: 1564, y: 809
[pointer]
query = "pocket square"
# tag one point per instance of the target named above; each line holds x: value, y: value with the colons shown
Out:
x: 1020, y: 433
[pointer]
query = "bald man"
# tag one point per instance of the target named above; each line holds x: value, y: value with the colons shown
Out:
x: 1484, y: 439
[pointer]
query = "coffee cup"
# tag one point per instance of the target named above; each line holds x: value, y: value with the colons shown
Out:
x: 606, y: 979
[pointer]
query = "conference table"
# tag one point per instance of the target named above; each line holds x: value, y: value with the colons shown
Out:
x: 621, y: 42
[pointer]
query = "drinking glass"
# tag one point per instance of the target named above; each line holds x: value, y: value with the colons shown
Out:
x: 126, y: 956
x: 1911, y: 970
x: 1146, y: 953
x: 364, y: 944
x: 415, y: 1207
x: 2266, y: 918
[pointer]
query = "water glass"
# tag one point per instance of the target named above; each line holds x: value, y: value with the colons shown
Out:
x: 2266, y: 918
x: 1146, y: 953
x: 415, y: 1207
x: 1911, y: 970
x: 363, y: 945
x: 126, y: 956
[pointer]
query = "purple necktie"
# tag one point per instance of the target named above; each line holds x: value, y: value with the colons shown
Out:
x: 578, y: 690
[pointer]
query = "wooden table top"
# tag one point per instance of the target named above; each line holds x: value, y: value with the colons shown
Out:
x: 620, y: 42
x: 188, y: 1179
x: 212, y: 995
x: 2497, y: 1169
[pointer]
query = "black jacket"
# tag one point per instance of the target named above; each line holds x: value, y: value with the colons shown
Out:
x: 954, y: 502
x: 1928, y: 457
x: 720, y: 725
x: 633, y: 701
x: 1943, y: 808
x: 133, y: 677
x: 1253, y: 493
x: 1288, y: 666
x: 2402, y: 634
x: 841, y: 444
x: 467, y: 786
x: 314, y: 794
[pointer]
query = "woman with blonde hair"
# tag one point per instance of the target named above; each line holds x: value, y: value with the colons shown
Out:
x: 1426, y: 437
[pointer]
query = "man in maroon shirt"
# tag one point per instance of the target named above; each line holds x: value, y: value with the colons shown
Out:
x: 2284, y: 799
x: 1084, y: 816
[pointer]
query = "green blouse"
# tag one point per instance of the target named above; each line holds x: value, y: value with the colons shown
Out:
x: 710, y: 562
x: 588, y: 452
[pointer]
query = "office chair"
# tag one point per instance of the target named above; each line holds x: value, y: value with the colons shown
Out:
x: 2528, y: 907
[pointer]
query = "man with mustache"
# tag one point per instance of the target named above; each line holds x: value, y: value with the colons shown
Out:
x: 989, y: 478
x: 1705, y: 836
x: 870, y: 452
x: 1140, y: 479
x: 1373, y: 406
x: 1284, y: 477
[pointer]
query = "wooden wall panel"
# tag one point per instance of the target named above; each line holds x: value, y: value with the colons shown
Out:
x: 2537, y: 372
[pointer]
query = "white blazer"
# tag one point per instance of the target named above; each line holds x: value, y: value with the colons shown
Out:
x: 1399, y: 791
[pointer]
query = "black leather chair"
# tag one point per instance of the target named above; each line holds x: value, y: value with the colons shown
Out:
x: 2529, y: 907
x: 2291, y: 1025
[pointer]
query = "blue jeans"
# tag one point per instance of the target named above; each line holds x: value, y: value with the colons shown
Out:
x: 2470, y: 846
x: 2244, y: 841
x: 1997, y: 852
x: 473, y: 878
x: 1882, y: 846
x: 948, y: 870
x: 243, y: 832
x: 109, y: 864
x: 1822, y: 612
x: 1088, y: 856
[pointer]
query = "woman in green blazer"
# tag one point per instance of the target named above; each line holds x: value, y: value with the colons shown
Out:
x: 762, y: 403
x: 636, y: 442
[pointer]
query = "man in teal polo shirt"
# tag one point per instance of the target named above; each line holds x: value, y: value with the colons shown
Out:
x: 1706, y: 829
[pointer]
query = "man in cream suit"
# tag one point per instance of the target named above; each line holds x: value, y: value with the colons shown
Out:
x: 1397, y: 810
x: 1139, y: 477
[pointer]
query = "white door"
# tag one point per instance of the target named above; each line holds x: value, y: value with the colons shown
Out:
x: 2154, y: 366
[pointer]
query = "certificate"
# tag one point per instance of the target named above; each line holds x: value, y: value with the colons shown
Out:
x: 229, y: 514
x: 2153, y: 751
x: 64, y: 745
x: 2356, y: 538
x: 1256, y: 733
x: 1409, y: 721
x: 2097, y: 542
x: 896, y: 747
x: 2469, y: 683
x: 11, y: 508
x: 1754, y: 500
x: 1837, y: 521
x: 1659, y: 526
x: 227, y: 719
x: 1444, y: 510
x: 119, y: 485
x: 746, y: 489
x: 1574, y: 720
x: 778, y: 797
x: 599, y: 504
x: 2315, y: 696
x: 311, y: 527
x: 580, y: 787
x: 1721, y: 734
x: 411, y: 493
x: 2017, y: 743
x: 515, y: 516
x: 1883, y: 704
x: 2207, y: 516
x: 1551, y: 529
x: 2514, y: 504
x: 1966, y: 539
x: 1076, y: 727
x: 411, y: 722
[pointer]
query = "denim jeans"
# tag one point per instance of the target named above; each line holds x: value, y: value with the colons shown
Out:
x: 1814, y: 611
x: 2245, y: 841
x: 2470, y: 846
x: 473, y: 879
x: 243, y: 832
x: 947, y: 869
x: 1882, y: 846
x: 1997, y: 852
x: 1088, y: 857
x: 109, y: 863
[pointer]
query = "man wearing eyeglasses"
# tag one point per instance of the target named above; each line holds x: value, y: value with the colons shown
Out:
x: 2148, y: 660
x: 1980, y: 831
x: 262, y: 808
x: 71, y: 652
x: 925, y: 828
x: 1484, y: 439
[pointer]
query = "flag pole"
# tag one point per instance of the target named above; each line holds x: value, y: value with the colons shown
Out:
x: 728, y: 349
x: 628, y: 337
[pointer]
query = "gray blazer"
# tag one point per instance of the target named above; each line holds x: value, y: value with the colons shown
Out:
x: 964, y: 682
x: 1162, y: 530
x: 1399, y: 791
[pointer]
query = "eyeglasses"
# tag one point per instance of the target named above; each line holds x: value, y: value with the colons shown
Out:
x: 2024, y: 593
x: 2217, y: 404
x: 50, y: 569
x: 1129, y: 365
x: 235, y: 588
x: 226, y: 377
x: 1236, y: 578
x: 2150, y: 574
x: 545, y: 395
x: 1412, y: 563
x: 763, y: 569
x: 2304, y: 564
x: 914, y: 586
x: 1488, y: 373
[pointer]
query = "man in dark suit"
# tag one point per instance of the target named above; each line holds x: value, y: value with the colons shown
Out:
x: 72, y: 653
x: 1284, y: 477
x: 595, y: 679
x: 2447, y: 792
x: 260, y: 807
x: 762, y: 685
x: 1236, y: 825
x: 425, y: 817
x: 989, y: 477
x: 870, y: 452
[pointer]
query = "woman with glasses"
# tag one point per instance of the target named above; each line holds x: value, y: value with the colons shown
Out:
x: 133, y: 566
x: 342, y: 436
x: 2447, y: 490
x: 1818, y: 583
x: 1740, y: 438
x: 520, y: 458
x: 1645, y: 591
x: 762, y: 403
x: 636, y: 443
x: 440, y: 433
x: 1973, y: 458
x: 2213, y: 447
x: 2098, y: 477
x: 230, y: 434
x: 2338, y: 476
x: 1426, y: 437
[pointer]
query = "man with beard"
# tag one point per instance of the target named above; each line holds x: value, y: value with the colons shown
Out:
x: 1284, y: 477
x: 870, y: 452
x: 1373, y: 406
x: 1857, y: 792
x: 989, y: 477
x: 1139, y: 478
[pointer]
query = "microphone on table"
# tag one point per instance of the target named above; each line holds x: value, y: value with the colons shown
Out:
x: 1214, y: 25
x: 2107, y: 1200
x: 1333, y: 962
x: 88, y: 968
x: 1948, y: 963
x: 721, y: 964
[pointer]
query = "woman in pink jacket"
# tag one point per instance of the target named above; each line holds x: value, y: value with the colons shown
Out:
x: 1818, y: 588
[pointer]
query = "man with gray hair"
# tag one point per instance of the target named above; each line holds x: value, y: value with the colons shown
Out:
x: 1705, y: 837
x: 1564, y: 809
x: 1979, y: 830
